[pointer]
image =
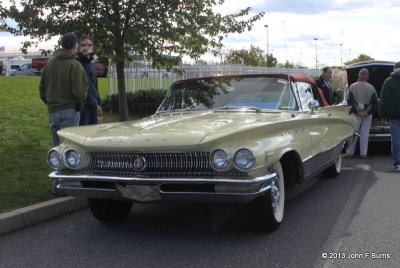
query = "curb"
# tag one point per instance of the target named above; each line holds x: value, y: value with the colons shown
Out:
x: 30, y: 215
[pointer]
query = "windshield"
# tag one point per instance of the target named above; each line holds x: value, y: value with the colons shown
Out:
x: 210, y: 93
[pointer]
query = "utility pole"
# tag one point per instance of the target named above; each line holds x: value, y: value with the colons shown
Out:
x: 266, y: 26
x: 316, y: 53
x: 341, y: 54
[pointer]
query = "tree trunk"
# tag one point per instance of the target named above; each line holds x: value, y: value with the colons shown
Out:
x: 122, y: 99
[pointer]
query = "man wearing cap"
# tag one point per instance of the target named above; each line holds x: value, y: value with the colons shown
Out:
x: 92, y: 106
x: 389, y: 110
x: 63, y: 86
x: 364, y: 102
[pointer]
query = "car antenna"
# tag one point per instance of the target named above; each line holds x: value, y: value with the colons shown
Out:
x: 287, y: 61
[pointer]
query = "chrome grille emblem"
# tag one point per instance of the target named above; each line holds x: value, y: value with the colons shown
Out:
x: 139, y: 163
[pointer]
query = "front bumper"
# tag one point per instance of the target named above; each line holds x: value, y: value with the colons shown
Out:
x: 202, y: 190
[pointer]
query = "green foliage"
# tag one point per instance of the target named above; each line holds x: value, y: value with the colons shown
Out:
x: 151, y: 27
x: 360, y: 58
x: 254, y: 56
x: 141, y: 101
x: 271, y: 61
x: 24, y: 142
x: 287, y: 64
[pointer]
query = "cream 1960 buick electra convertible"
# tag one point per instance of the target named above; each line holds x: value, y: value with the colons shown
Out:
x: 230, y: 139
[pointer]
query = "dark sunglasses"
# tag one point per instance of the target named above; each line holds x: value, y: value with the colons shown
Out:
x: 86, y: 45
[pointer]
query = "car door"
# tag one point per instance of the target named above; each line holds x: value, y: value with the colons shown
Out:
x: 314, y: 127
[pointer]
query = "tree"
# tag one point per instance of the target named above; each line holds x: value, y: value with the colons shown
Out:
x: 147, y: 27
x: 254, y: 56
x: 287, y: 64
x: 271, y: 61
x: 201, y: 62
x: 360, y: 58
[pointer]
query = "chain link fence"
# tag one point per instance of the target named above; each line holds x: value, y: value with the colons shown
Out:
x: 139, y: 75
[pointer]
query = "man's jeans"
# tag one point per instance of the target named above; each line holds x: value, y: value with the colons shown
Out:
x: 62, y: 119
x: 395, y: 133
x: 88, y: 116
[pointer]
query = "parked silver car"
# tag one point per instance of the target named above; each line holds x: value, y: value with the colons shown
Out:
x: 25, y: 69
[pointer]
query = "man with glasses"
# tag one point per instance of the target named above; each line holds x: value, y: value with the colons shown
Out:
x: 92, y: 106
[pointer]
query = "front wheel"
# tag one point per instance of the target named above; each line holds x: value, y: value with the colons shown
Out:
x: 266, y: 211
x: 107, y: 210
x: 333, y: 170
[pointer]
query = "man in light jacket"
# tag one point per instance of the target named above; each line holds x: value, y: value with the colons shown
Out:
x: 364, y: 102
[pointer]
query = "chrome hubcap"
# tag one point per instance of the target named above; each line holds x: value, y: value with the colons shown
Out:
x: 338, y: 164
x: 275, y: 193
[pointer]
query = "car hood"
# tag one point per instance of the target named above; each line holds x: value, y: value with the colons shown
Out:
x: 378, y: 72
x: 169, y: 130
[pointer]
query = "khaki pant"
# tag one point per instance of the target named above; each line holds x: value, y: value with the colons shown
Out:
x: 362, y: 127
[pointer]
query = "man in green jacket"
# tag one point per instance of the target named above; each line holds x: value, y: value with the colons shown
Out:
x: 389, y: 110
x: 63, y: 86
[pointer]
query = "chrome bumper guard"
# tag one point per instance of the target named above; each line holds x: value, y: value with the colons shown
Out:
x: 151, y: 189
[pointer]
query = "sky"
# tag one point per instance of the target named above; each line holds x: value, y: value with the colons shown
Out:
x: 343, y: 29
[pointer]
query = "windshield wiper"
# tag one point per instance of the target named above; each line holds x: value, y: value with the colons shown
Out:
x: 257, y: 109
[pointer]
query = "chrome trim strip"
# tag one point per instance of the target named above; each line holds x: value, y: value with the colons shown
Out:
x: 380, y: 135
x: 258, y: 180
x: 260, y: 191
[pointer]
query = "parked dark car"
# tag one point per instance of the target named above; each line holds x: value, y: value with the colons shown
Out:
x: 39, y: 63
x: 101, y: 69
x: 378, y: 72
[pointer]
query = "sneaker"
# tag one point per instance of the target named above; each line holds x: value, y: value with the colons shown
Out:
x: 396, y: 168
x: 363, y: 156
x: 347, y: 156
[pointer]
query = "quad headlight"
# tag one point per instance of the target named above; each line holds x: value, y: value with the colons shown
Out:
x: 244, y: 159
x: 72, y: 158
x: 54, y: 159
x: 220, y: 160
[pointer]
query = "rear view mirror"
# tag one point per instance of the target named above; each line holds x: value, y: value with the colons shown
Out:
x: 313, y: 105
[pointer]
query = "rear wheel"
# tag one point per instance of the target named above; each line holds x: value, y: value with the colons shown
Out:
x: 334, y: 170
x: 266, y: 211
x: 107, y: 210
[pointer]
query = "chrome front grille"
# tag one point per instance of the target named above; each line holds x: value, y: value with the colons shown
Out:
x: 157, y: 165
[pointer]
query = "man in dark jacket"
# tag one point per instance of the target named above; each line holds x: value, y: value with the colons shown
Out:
x: 389, y: 110
x: 92, y: 104
x: 324, y: 83
x: 63, y: 86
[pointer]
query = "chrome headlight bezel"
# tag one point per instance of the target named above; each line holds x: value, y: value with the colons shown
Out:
x: 246, y: 154
x: 76, y: 156
x: 222, y: 155
x: 54, y: 155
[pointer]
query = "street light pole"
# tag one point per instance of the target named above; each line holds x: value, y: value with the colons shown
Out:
x: 316, y: 53
x: 341, y: 59
x: 266, y: 26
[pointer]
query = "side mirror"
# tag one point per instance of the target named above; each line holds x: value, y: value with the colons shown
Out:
x: 313, y: 105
